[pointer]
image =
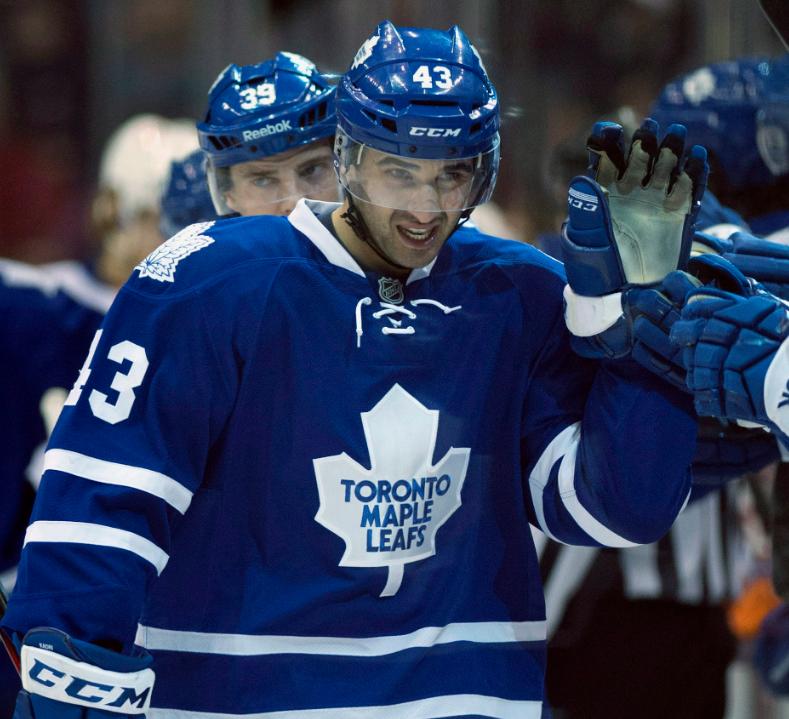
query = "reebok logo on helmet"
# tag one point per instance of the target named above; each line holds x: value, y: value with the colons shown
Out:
x: 266, y: 131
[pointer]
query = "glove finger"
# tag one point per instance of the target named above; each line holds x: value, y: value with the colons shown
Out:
x: 686, y: 333
x: 669, y: 154
x: 643, y: 151
x: 705, y: 302
x: 664, y: 166
x: 677, y: 285
x: 697, y: 169
x: 606, y: 153
x: 668, y: 371
x: 657, y: 340
x: 680, y: 196
x: 719, y: 272
x: 658, y: 308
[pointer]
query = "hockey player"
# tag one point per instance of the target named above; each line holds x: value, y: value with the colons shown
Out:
x: 187, y: 198
x: 297, y: 472
x: 50, y: 314
x: 268, y: 133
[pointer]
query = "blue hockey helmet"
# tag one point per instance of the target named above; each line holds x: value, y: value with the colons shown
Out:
x: 186, y: 199
x: 739, y: 111
x: 257, y: 111
x: 423, y: 96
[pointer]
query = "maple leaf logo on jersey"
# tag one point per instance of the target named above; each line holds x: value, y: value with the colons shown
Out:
x: 160, y: 264
x: 389, y: 514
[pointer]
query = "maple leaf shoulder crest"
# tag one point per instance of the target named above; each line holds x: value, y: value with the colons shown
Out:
x: 161, y: 263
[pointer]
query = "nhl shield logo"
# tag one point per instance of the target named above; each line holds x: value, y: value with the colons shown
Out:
x: 391, y: 290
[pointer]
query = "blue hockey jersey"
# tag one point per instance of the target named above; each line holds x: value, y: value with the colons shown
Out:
x: 49, y: 315
x: 307, y: 490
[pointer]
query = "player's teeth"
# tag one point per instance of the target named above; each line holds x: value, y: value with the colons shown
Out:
x: 417, y: 234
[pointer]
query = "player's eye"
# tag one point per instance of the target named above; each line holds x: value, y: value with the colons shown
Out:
x: 399, y: 175
x: 314, y: 172
x: 457, y: 175
x: 263, y: 181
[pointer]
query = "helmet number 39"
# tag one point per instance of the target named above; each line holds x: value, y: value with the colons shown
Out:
x: 265, y: 94
x: 423, y: 76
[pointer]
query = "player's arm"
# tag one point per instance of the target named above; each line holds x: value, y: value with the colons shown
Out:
x: 606, y: 446
x: 124, y: 463
x: 619, y: 475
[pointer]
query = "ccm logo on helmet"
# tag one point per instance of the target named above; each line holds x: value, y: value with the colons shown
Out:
x: 434, y: 132
x: 267, y: 130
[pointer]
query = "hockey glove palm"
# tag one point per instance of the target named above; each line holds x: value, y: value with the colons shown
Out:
x: 64, y: 678
x: 631, y: 222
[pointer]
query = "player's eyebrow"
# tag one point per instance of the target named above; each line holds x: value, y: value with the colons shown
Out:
x: 399, y: 163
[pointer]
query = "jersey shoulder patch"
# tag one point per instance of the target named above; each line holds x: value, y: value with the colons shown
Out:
x: 207, y: 250
x: 162, y: 263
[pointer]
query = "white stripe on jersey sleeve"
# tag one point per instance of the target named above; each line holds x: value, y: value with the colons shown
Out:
x: 594, y: 528
x: 242, y: 645
x: 97, y: 534
x: 124, y: 475
x: 431, y: 708
x: 559, y: 446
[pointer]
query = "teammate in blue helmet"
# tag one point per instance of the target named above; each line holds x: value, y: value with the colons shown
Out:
x: 186, y: 198
x: 738, y: 111
x: 417, y: 145
x: 268, y: 135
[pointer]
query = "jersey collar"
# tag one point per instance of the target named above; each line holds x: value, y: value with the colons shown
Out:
x: 305, y: 219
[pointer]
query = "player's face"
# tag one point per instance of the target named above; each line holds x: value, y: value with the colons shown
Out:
x: 273, y: 185
x: 412, y: 207
x: 409, y: 238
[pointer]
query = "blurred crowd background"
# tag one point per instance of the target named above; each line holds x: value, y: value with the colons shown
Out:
x: 71, y: 71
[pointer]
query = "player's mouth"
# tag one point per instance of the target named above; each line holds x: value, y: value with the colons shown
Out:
x: 417, y: 236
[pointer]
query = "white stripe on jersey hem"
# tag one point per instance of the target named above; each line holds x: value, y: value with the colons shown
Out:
x: 260, y: 645
x: 431, y: 708
x: 558, y: 448
x: 583, y: 518
x: 124, y: 475
x: 99, y: 535
x: 304, y: 220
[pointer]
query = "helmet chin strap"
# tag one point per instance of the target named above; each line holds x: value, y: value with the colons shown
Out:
x: 353, y: 218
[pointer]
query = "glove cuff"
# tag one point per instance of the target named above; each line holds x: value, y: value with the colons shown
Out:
x: 52, y: 675
x: 776, y: 388
x: 589, y: 316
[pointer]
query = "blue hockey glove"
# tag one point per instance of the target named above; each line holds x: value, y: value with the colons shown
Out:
x: 630, y: 224
x: 766, y: 262
x: 64, y: 678
x: 733, y: 349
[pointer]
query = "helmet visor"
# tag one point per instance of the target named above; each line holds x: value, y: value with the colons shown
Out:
x: 415, y: 184
x: 258, y: 187
x: 772, y: 138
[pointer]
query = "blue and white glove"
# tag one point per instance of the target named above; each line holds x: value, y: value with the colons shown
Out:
x: 767, y: 262
x: 65, y: 678
x: 630, y: 224
x: 735, y: 350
